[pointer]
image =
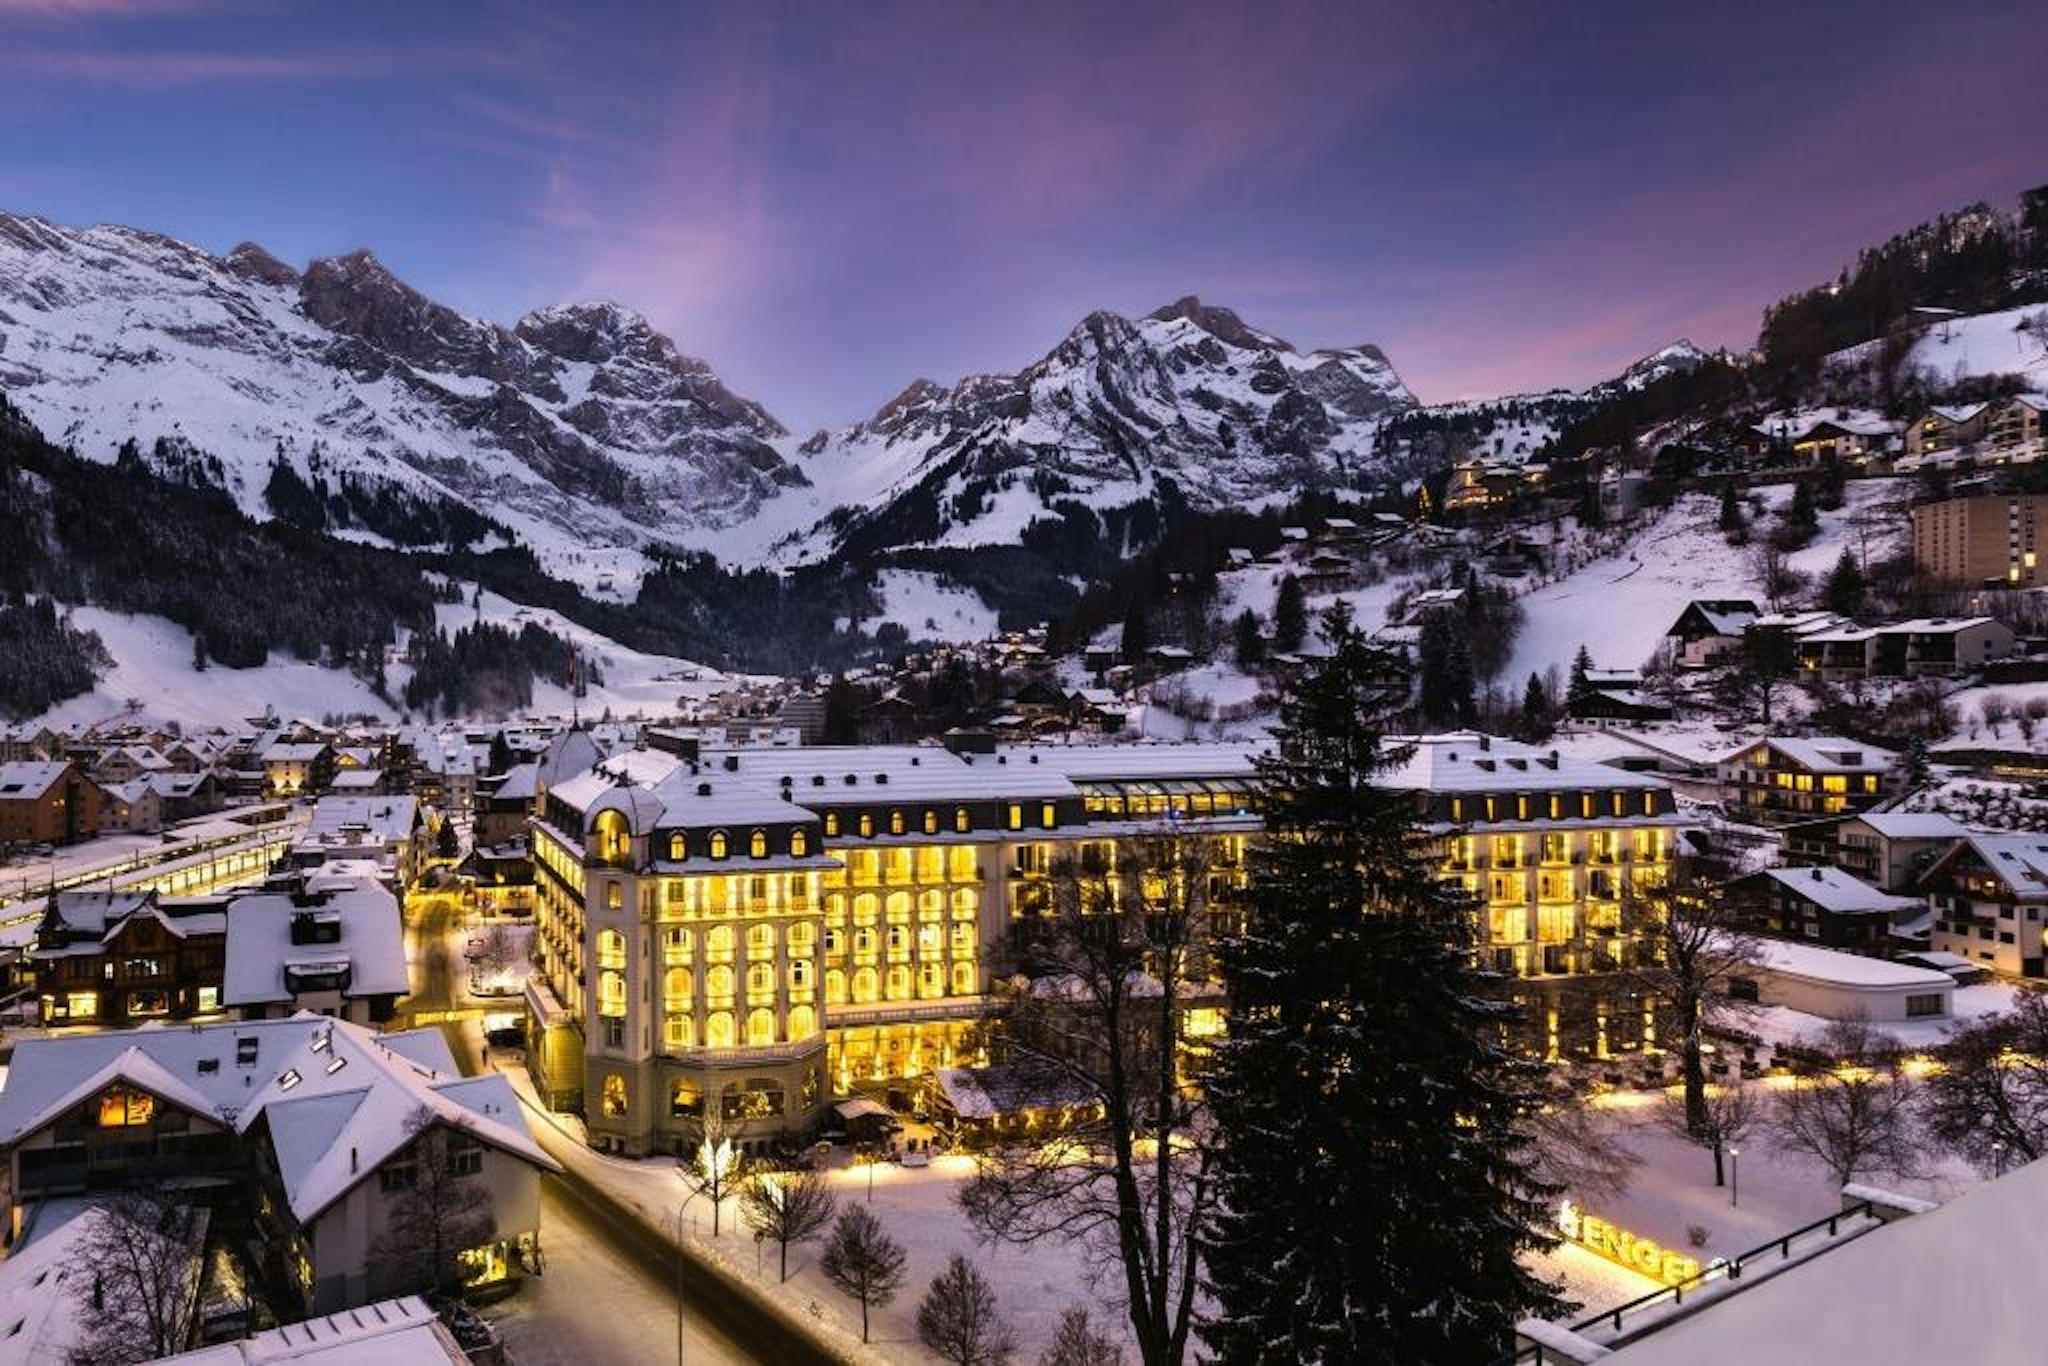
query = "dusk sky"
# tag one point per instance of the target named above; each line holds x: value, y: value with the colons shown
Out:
x: 825, y: 201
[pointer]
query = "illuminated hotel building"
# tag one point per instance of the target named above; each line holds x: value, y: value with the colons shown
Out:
x: 745, y: 935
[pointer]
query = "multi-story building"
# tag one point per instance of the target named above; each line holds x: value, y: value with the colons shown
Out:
x: 1987, y: 539
x: 1947, y: 428
x: 1784, y: 779
x: 118, y: 958
x: 2014, y: 432
x: 1824, y: 905
x: 738, y: 937
x: 47, y: 803
x: 1989, y: 894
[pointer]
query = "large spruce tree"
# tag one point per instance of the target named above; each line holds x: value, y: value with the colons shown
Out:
x: 1377, y: 1193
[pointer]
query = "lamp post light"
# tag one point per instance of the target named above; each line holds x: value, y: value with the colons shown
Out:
x: 1735, y: 1177
x: 1998, y: 1157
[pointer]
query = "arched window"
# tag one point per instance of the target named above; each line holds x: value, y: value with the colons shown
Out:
x: 867, y: 824
x: 760, y: 1028
x: 614, y: 894
x: 678, y: 847
x: 680, y: 1031
x: 899, y: 983
x: 931, y: 821
x: 611, y: 837
x: 611, y: 949
x: 718, y: 983
x: 962, y: 822
x: 614, y: 1096
x: 800, y: 975
x: 835, y: 988
x: 802, y: 938
x: 799, y: 843
x: 718, y: 944
x: 864, y: 907
x: 611, y: 993
x: 831, y: 825
x: 718, y: 1029
x: 718, y: 844
x: 760, y: 940
x: 675, y: 944
x: 899, y: 907
x: 803, y: 1022
x: 896, y: 825
x: 965, y: 903
x: 760, y: 978
x: 757, y: 844
x: 864, y: 983
x: 678, y: 986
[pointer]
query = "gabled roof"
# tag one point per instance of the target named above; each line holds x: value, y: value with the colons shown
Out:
x: 25, y: 779
x: 1821, y: 754
x: 2019, y: 861
x: 1833, y: 890
x: 261, y: 954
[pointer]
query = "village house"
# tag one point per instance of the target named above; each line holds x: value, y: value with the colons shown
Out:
x: 45, y: 802
x: 1989, y: 895
x: 2013, y: 434
x: 1888, y: 849
x: 309, y: 1129
x: 120, y: 958
x: 1823, y: 905
x: 1785, y: 779
x: 335, y: 948
x: 1947, y: 428
x: 1710, y: 629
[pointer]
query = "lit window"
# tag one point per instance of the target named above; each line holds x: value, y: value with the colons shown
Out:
x: 931, y: 821
x: 613, y: 1096
x: 896, y: 824
x: 1016, y: 816
x: 1048, y: 815
x: 831, y: 825
x: 718, y: 844
x: 799, y: 844
x: 678, y: 847
x: 803, y: 1022
x: 867, y: 825
x: 122, y: 1107
x: 611, y: 993
x: 962, y: 822
x: 760, y: 1028
x: 757, y: 844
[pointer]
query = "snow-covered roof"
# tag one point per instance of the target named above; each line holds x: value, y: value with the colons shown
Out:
x: 1817, y: 964
x: 1888, y: 1297
x: 2019, y: 860
x: 1831, y: 889
x: 326, y: 1148
x: 1821, y: 754
x: 1912, y: 825
x: 403, y: 1332
x: 520, y: 784
x: 262, y: 959
x: 28, y: 778
x: 1957, y: 412
x: 1466, y: 761
x: 389, y: 819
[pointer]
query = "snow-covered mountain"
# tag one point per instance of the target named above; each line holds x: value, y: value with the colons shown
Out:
x: 578, y: 426
x: 1189, y: 396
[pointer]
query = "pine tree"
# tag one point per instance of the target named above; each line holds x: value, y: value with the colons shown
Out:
x: 1377, y: 1194
x: 1845, y: 587
x: 1290, y: 616
x: 1581, y: 686
x: 1136, y: 641
x: 1731, y: 519
x: 1536, y: 720
x: 1802, y: 517
x: 1251, y: 646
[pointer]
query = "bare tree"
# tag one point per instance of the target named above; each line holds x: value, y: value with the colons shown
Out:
x: 713, y: 1168
x: 1107, y: 972
x: 863, y: 1261
x: 1579, y: 1147
x: 1077, y: 1343
x: 1733, y: 1112
x: 1692, y: 945
x: 436, y: 1209
x: 959, y: 1321
x: 141, y: 1256
x: 1995, y: 709
x: 1775, y: 577
x: 1988, y: 1101
x: 1851, y: 1109
x: 791, y: 1205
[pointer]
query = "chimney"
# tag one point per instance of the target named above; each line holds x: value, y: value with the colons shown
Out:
x: 352, y: 1161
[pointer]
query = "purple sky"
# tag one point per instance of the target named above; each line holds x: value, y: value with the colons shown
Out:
x: 827, y: 200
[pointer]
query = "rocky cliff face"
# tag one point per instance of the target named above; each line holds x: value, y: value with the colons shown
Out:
x: 580, y: 425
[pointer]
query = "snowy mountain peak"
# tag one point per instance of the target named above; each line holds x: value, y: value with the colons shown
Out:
x: 1680, y: 357
x: 582, y: 426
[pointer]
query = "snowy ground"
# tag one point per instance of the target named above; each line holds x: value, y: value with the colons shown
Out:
x: 931, y: 607
x: 1984, y: 344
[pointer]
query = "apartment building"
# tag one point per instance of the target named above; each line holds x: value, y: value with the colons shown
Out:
x: 739, y: 937
x: 1784, y: 779
x: 1989, y: 895
x: 1947, y: 428
x: 1990, y: 539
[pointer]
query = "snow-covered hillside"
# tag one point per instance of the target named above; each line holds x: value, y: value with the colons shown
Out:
x: 2013, y: 341
x: 580, y: 426
x: 152, y: 675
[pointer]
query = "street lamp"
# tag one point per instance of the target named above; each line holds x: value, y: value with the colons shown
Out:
x: 1735, y: 1177
x: 1998, y: 1157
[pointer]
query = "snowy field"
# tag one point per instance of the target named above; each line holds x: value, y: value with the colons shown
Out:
x: 1985, y: 344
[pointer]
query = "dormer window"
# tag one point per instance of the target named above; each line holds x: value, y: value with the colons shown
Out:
x: 867, y: 825
x: 931, y: 821
x: 799, y: 844
x: 962, y: 821
x: 718, y: 844
x: 678, y: 847
x: 757, y: 844
x: 831, y: 825
x: 896, y: 822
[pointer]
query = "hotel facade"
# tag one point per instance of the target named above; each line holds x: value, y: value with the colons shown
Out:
x: 734, y: 939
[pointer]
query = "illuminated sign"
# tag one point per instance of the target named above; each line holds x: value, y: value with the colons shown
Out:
x: 1618, y: 1245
